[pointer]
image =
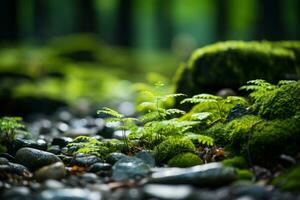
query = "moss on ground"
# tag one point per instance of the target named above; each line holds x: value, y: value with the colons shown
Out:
x: 289, y: 180
x: 172, y: 147
x: 185, y: 160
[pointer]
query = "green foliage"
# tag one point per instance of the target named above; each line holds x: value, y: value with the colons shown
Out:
x: 172, y: 147
x: 127, y: 123
x: 211, y: 108
x: 203, y: 140
x: 275, y: 101
x: 289, y: 180
x: 89, y: 145
x: 8, y: 128
x: 185, y: 160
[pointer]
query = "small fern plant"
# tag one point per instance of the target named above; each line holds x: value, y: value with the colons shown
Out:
x: 259, y: 87
x: 215, y: 105
x: 126, y: 123
x: 9, y: 126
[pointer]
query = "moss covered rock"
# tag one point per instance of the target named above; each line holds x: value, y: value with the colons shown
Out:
x: 269, y: 139
x: 185, y: 160
x: 289, y: 180
x: 230, y: 64
x: 280, y: 103
x: 172, y: 147
x: 245, y: 174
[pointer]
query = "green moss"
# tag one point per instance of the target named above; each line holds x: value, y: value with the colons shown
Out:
x: 237, y: 162
x: 172, y: 147
x: 269, y: 139
x: 232, y: 63
x: 282, y: 102
x: 245, y: 174
x: 289, y: 181
x: 185, y: 160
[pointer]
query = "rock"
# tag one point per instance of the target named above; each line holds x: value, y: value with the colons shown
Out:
x: 3, y: 161
x: 170, y: 192
x: 34, y: 158
x: 89, y: 178
x: 61, y: 141
x: 53, y: 171
x: 112, y: 158
x: 53, y: 184
x: 147, y: 157
x: 54, y: 149
x: 9, y: 157
x: 254, y: 191
x: 21, y: 143
x: 232, y: 63
x: 99, y: 167
x: 68, y: 194
x: 85, y: 160
x: 207, y: 175
x: 17, y: 169
x: 129, y: 168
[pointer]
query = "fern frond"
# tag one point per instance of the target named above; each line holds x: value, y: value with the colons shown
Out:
x: 110, y: 112
x: 202, y: 139
x: 151, y: 116
x: 174, y: 111
x: 201, y: 116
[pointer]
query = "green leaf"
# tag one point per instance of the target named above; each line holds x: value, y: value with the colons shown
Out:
x: 110, y: 112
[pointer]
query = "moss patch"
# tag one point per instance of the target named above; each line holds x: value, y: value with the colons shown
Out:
x: 289, y: 180
x: 172, y: 147
x: 185, y: 160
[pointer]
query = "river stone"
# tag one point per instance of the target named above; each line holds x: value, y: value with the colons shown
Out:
x: 208, y: 175
x: 68, y: 194
x: 129, y: 168
x: 85, y: 160
x: 21, y: 143
x: 53, y: 171
x: 99, y: 167
x: 34, y: 159
x: 147, y: 157
x: 158, y: 191
x: 112, y: 158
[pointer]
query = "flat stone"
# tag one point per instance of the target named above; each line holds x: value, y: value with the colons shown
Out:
x: 207, y: 175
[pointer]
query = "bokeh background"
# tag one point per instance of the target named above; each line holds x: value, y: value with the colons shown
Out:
x: 57, y: 53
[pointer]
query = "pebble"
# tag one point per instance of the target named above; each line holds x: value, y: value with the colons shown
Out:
x: 147, y: 157
x: 129, y: 168
x: 16, y: 193
x: 112, y: 158
x: 85, y: 160
x: 34, y: 159
x: 169, y: 192
x: 68, y: 194
x: 99, y: 167
x: 21, y: 143
x: 61, y: 141
x: 53, y: 171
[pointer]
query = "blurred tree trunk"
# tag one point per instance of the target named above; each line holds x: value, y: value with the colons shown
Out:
x: 87, y: 16
x: 222, y: 19
x: 123, y: 29
x: 270, y: 20
x: 164, y: 23
x: 8, y: 20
